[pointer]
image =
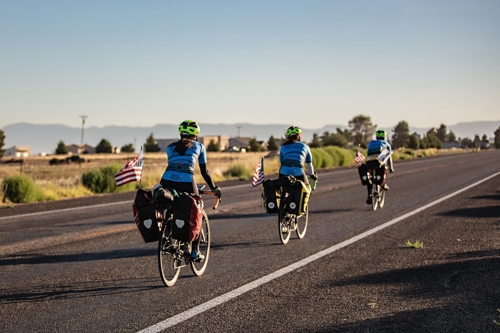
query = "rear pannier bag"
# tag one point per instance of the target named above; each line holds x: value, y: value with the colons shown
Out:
x: 187, y: 217
x: 380, y: 174
x: 145, y: 216
x: 298, y: 198
x: 270, y: 196
x: 363, y: 174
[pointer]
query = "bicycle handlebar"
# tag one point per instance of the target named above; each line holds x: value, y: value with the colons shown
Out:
x: 314, y: 182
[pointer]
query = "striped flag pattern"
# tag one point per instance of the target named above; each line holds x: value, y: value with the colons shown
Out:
x: 359, y: 157
x: 131, y: 172
x: 258, y: 176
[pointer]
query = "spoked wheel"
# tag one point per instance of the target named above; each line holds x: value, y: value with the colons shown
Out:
x: 284, y: 229
x: 375, y: 198
x: 302, y: 224
x: 198, y: 267
x: 168, y: 257
x: 381, y: 198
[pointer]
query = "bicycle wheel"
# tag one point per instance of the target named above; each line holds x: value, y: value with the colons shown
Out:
x: 284, y: 230
x: 168, y: 257
x: 375, y: 194
x: 302, y: 224
x: 198, y: 267
x: 381, y: 199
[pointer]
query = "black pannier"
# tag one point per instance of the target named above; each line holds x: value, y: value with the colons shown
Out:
x: 380, y: 174
x: 187, y: 217
x: 363, y: 174
x: 298, y: 198
x: 145, y: 216
x: 270, y: 196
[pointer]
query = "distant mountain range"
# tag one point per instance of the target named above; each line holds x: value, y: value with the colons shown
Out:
x: 44, y: 138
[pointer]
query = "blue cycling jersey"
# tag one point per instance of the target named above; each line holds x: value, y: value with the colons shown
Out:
x: 181, y: 167
x: 292, y: 158
x: 375, y: 147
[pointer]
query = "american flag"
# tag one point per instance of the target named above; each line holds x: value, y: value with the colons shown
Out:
x: 359, y: 157
x: 131, y: 172
x: 258, y: 176
x: 384, y: 155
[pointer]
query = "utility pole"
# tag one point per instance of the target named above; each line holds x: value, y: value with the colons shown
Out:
x: 83, y: 126
x: 238, y: 130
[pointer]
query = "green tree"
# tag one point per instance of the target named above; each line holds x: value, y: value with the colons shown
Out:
x: 128, y: 148
x: 212, y: 146
x: 401, y: 136
x: 497, y: 138
x: 61, y: 148
x: 347, y: 134
x: 104, y: 147
x: 151, y: 145
x: 362, y: 130
x: 335, y: 139
x: 272, y: 145
x: 413, y: 141
x: 450, y: 137
x: 254, y: 145
x: 441, y: 133
x: 315, y: 143
x: 430, y: 140
x: 2, y: 142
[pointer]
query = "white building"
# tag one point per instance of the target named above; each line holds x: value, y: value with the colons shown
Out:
x: 18, y: 151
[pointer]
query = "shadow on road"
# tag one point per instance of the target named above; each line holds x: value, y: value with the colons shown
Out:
x: 91, y: 289
x: 477, y: 212
x: 439, y: 293
x: 35, y: 259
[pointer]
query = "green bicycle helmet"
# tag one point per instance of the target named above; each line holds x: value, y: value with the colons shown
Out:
x: 293, y: 130
x: 189, y: 128
x: 380, y: 135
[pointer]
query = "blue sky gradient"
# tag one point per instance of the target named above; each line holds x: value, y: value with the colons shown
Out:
x: 309, y: 63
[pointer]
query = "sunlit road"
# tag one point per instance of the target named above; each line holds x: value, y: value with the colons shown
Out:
x: 88, y: 270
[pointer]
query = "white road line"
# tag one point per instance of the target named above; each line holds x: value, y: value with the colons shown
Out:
x: 257, y: 283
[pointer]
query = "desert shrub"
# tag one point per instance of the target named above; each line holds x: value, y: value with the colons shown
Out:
x: 240, y: 171
x: 321, y: 159
x: 103, y: 180
x: 21, y: 189
x: 341, y: 156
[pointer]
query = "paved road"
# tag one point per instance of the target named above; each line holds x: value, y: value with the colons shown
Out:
x: 86, y: 269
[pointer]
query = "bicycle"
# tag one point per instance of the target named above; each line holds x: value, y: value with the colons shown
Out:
x: 174, y: 254
x: 377, y: 174
x: 288, y: 222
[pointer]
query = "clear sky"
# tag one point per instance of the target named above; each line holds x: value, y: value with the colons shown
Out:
x: 308, y: 63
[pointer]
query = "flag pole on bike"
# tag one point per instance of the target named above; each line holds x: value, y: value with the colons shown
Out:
x: 131, y: 172
x: 258, y: 177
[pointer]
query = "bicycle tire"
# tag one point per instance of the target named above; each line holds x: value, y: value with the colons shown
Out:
x: 283, y: 229
x: 199, y: 267
x: 168, y: 259
x: 375, y: 193
x: 301, y: 231
x: 381, y: 198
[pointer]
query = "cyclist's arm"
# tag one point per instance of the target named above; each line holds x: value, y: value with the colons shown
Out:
x: 309, y: 164
x: 206, y: 175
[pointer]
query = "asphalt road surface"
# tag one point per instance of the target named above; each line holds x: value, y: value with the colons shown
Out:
x: 81, y: 265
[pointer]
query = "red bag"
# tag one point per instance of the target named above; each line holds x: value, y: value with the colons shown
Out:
x: 187, y: 217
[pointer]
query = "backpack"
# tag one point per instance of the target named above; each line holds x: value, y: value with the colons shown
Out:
x: 298, y: 198
x: 187, y: 212
x: 144, y: 211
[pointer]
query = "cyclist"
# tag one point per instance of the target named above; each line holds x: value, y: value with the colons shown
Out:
x: 375, y: 147
x: 182, y: 157
x: 293, y: 155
